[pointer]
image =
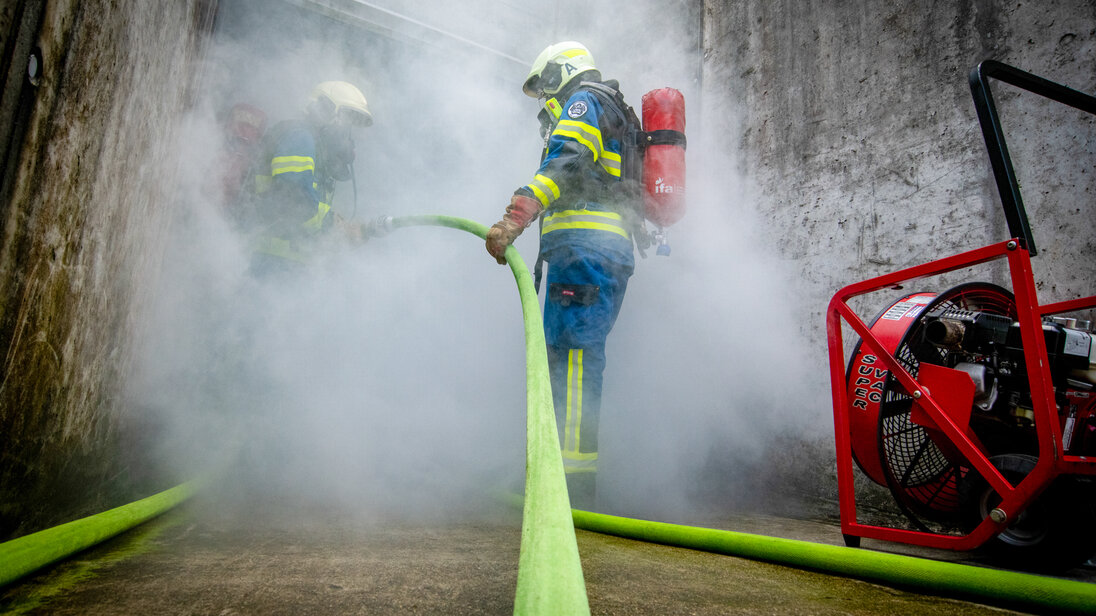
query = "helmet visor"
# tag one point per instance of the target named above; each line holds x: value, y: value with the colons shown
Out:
x: 532, y: 88
x: 353, y: 118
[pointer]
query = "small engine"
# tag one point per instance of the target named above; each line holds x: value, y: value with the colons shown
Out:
x: 988, y: 348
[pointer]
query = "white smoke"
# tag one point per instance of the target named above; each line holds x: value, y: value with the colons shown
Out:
x: 391, y: 378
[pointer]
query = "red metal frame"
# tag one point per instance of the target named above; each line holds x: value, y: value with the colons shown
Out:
x: 1052, y: 460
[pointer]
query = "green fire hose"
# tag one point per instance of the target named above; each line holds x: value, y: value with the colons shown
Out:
x: 1006, y: 588
x: 25, y: 555
x: 549, y: 571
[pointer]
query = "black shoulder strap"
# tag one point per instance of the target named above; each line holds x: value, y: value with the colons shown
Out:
x: 613, y: 96
x: 634, y: 142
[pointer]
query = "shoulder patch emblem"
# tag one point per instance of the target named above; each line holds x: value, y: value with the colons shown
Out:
x: 577, y: 109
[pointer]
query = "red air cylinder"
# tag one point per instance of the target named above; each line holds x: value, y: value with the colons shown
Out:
x: 243, y: 131
x: 664, y: 162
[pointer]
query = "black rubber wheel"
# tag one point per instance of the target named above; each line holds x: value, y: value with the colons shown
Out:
x: 1055, y: 533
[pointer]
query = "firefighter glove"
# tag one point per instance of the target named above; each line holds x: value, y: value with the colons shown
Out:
x: 350, y: 231
x: 521, y: 213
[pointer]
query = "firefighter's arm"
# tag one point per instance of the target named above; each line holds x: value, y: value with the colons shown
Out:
x: 521, y: 213
x: 564, y: 156
x: 576, y: 145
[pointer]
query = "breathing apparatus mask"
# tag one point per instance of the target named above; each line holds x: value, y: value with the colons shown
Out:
x: 337, y: 143
x: 339, y: 110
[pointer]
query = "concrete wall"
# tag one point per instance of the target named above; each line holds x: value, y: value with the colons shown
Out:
x: 859, y: 136
x: 89, y: 201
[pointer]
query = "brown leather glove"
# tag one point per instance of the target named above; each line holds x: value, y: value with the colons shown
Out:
x: 353, y: 232
x: 521, y: 213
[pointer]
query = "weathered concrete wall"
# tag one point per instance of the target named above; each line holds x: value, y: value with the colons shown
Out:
x: 860, y: 137
x: 89, y: 202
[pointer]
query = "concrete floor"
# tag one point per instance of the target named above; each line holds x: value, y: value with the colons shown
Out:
x: 202, y: 560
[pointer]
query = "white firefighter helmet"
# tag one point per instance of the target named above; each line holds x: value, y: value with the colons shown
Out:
x: 556, y: 66
x: 339, y: 102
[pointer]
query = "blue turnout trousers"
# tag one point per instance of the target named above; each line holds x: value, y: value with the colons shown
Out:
x: 585, y: 292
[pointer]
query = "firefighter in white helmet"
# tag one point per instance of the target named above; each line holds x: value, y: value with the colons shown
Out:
x: 298, y: 166
x: 587, y: 224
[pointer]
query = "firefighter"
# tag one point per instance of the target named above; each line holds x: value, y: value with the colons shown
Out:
x: 300, y: 162
x: 587, y: 224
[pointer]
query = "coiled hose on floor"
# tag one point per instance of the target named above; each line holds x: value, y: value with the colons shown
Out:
x: 550, y: 579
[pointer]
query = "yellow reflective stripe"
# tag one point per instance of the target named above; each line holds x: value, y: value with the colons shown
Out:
x: 569, y: 470
x: 583, y: 133
x: 539, y: 194
x: 544, y: 189
x: 583, y: 213
x: 575, y: 461
x: 574, y: 53
x: 573, y: 422
x: 585, y: 225
x: 593, y: 216
x: 316, y: 222
x: 278, y: 247
x: 591, y: 138
x: 610, y: 161
x: 548, y: 183
x: 588, y: 131
x: 579, y: 138
x: 291, y: 164
x: 584, y: 219
x: 579, y: 462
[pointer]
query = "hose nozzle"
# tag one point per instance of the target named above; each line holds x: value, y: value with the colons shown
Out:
x: 380, y: 226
